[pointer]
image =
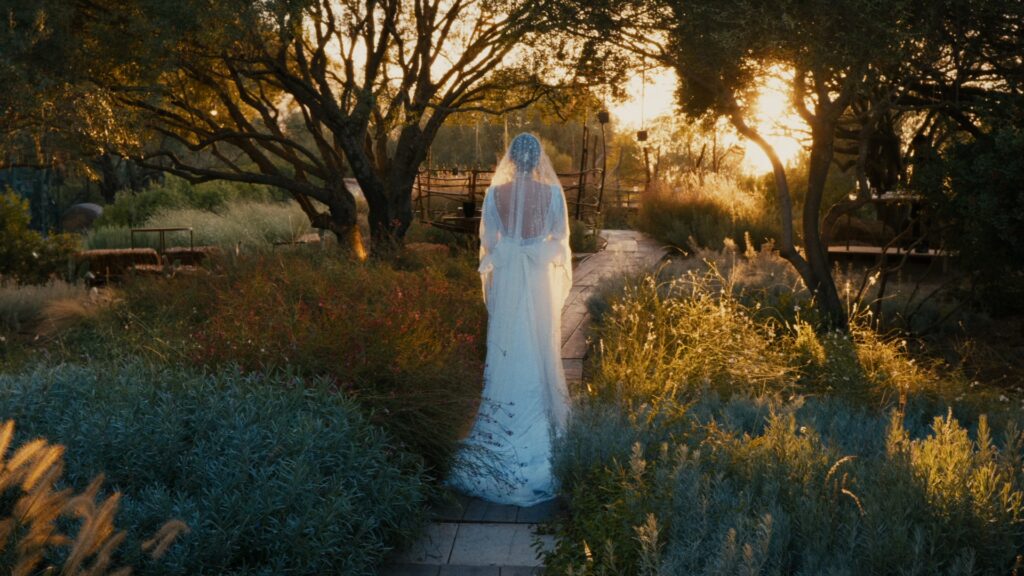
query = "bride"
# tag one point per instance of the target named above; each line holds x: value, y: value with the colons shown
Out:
x: 526, y: 271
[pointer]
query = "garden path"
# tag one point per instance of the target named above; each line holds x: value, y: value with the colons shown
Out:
x: 470, y: 537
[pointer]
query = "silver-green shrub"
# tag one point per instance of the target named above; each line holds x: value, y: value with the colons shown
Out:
x: 815, y: 487
x: 134, y: 208
x: 273, y: 477
x: 720, y: 435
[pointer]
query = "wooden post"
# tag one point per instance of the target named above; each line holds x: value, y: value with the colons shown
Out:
x: 426, y: 191
x: 583, y: 173
x: 604, y: 169
x: 472, y: 189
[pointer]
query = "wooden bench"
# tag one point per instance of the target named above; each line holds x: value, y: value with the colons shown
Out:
x: 112, y: 264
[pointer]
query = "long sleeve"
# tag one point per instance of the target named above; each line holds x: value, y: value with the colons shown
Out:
x: 488, y: 240
x: 559, y: 237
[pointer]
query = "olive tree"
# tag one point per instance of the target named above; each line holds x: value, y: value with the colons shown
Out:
x: 300, y: 94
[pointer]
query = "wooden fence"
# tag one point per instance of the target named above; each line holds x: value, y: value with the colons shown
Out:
x: 445, y: 193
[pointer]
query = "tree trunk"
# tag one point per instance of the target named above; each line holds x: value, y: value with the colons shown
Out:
x: 381, y: 219
x: 341, y: 218
x: 814, y: 270
x: 822, y: 285
x: 109, y: 182
x: 387, y: 182
x: 391, y: 208
x: 391, y: 211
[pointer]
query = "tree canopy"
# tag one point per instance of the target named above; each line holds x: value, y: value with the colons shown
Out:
x: 851, y: 66
x: 299, y: 94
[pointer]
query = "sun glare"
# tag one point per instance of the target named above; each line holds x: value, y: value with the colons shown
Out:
x: 773, y: 115
x: 649, y: 96
x: 778, y: 123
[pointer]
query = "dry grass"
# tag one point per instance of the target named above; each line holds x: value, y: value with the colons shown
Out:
x: 702, y: 213
x: 234, y: 225
x: 29, y: 523
x: 59, y: 316
x: 23, y: 308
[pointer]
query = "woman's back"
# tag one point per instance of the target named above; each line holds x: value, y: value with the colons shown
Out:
x: 522, y: 208
x: 526, y: 272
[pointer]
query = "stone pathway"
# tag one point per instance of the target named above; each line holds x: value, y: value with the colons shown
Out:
x: 470, y: 537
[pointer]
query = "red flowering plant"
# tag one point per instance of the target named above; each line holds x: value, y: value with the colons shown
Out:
x: 403, y: 338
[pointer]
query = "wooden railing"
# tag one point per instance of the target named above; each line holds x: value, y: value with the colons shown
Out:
x: 450, y: 195
x: 624, y: 198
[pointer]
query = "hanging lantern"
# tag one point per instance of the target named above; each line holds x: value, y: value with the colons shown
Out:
x: 641, y: 135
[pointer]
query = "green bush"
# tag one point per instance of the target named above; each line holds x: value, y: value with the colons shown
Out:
x: 616, y: 218
x: 26, y: 255
x: 116, y: 237
x: 274, y: 476
x: 582, y: 239
x: 133, y: 209
x: 763, y: 485
x: 249, y: 225
x: 731, y: 321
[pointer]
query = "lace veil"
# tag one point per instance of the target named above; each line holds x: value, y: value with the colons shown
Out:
x: 523, y: 184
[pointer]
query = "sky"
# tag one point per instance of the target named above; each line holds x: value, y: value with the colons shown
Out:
x: 655, y: 97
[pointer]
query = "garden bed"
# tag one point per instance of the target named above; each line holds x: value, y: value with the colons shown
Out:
x: 721, y: 434
x: 271, y: 475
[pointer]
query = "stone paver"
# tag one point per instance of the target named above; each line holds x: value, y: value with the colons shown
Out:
x: 575, y: 347
x: 454, y: 570
x: 573, y: 368
x: 493, y: 544
x: 481, y: 511
x: 411, y: 570
x: 435, y: 547
x: 471, y: 537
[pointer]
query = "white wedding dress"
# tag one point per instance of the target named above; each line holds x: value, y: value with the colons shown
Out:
x: 526, y: 271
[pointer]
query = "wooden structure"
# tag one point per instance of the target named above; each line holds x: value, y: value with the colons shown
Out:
x: 903, y: 232
x: 106, y: 265
x: 452, y: 199
x: 113, y: 264
x: 162, y: 233
x: 624, y: 198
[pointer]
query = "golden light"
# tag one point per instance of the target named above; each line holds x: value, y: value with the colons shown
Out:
x: 778, y: 123
x: 773, y: 115
x: 655, y: 99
